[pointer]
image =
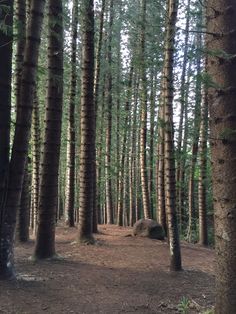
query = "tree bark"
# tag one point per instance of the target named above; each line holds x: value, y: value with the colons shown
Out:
x: 87, y: 142
x: 143, y: 128
x: 70, y: 175
x: 202, y: 181
x: 48, y: 198
x: 109, y: 201
x: 221, y: 67
x: 170, y: 182
x: 21, y: 140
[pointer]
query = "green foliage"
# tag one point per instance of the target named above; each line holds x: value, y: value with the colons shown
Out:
x: 183, y: 305
x: 5, y: 10
x: 219, y: 53
x: 210, y: 311
x: 228, y: 134
x: 208, y: 81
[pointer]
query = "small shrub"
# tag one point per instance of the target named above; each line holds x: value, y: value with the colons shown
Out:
x: 183, y: 305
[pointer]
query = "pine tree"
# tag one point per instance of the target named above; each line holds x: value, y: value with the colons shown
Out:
x: 221, y: 67
x: 87, y: 140
x: 45, y: 241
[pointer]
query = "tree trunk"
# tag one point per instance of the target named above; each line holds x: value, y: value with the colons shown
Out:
x: 21, y: 139
x: 133, y: 155
x: 70, y: 175
x: 109, y: 203
x: 173, y: 235
x: 180, y: 154
x: 194, y: 152
x: 202, y: 181
x: 5, y: 100
x: 48, y: 198
x: 161, y: 203
x: 151, y: 142
x: 221, y: 65
x: 36, y: 144
x: 24, y: 210
x: 121, y: 179
x: 143, y: 128
x: 97, y: 211
x: 87, y: 142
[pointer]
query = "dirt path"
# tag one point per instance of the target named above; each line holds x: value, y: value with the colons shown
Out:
x: 117, y: 275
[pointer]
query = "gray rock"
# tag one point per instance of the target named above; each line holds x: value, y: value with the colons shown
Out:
x: 148, y: 228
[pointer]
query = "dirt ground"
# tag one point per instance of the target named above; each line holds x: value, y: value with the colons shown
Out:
x: 118, y: 274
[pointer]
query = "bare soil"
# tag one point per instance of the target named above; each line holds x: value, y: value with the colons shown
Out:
x: 119, y: 274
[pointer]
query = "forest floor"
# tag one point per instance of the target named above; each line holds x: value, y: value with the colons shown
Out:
x: 119, y: 274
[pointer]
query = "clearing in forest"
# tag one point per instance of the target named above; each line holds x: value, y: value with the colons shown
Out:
x: 120, y: 274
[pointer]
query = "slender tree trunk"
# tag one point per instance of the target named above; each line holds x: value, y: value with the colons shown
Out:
x: 87, y: 142
x: 5, y: 101
x: 194, y: 150
x: 121, y: 189
x: 221, y: 65
x: 133, y: 157
x: 182, y: 164
x: 100, y: 160
x: 170, y: 183
x: 202, y: 181
x: 48, y: 198
x: 20, y: 14
x: 180, y: 154
x: 70, y: 176
x: 97, y: 211
x: 36, y: 144
x: 24, y: 210
x: 151, y: 143
x: 21, y: 140
x: 143, y: 129
x: 161, y: 203
x: 109, y: 203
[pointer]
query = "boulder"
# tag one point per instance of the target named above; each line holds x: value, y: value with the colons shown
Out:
x: 148, y: 228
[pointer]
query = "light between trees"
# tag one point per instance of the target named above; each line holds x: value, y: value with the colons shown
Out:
x: 118, y: 78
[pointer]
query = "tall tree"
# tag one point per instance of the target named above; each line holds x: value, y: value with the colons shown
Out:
x: 97, y: 210
x: 21, y: 140
x: 45, y: 241
x: 195, y: 146
x: 202, y: 181
x: 109, y: 202
x: 70, y: 176
x: 36, y: 144
x: 6, y: 16
x: 169, y: 163
x: 221, y: 66
x: 87, y: 141
x: 143, y: 127
x: 121, y: 190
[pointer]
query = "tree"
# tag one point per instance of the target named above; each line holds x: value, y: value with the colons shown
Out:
x: 70, y: 177
x: 221, y: 67
x: 36, y: 145
x: 97, y: 209
x: 143, y: 127
x: 6, y: 20
x: 108, y: 164
x: 169, y: 162
x: 45, y: 241
x: 202, y: 181
x: 87, y: 126
x: 15, y: 172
